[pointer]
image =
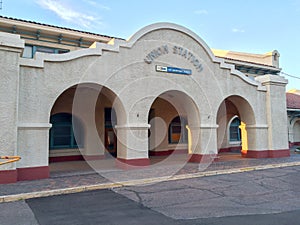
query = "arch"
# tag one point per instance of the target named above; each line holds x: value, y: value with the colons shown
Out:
x: 90, y: 103
x: 165, y: 108
x: 171, y: 26
x: 233, y: 107
x: 181, y: 101
x: 296, y: 131
x: 98, y: 88
x: 243, y: 108
x: 295, y: 120
x: 234, y: 130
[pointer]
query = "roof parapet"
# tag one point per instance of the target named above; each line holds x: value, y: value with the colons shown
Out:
x: 268, y: 59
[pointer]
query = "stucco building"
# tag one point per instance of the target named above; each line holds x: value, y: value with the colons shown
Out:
x: 293, y: 113
x: 162, y: 91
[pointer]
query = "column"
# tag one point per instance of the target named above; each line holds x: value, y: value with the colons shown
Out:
x: 254, y: 141
x: 203, y: 143
x: 33, y: 147
x: 10, y: 49
x: 276, y: 115
x: 132, y: 145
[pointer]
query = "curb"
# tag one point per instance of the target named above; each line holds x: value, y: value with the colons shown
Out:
x: 72, y: 190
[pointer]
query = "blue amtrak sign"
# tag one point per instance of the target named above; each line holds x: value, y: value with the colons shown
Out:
x: 168, y: 69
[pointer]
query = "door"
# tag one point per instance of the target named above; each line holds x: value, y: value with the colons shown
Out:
x: 111, y: 141
x: 110, y: 136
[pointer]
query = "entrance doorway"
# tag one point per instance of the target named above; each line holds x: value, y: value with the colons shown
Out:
x: 110, y: 135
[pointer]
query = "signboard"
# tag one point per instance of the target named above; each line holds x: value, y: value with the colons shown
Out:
x: 168, y: 69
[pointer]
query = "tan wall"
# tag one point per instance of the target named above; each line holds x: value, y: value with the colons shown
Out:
x: 122, y: 68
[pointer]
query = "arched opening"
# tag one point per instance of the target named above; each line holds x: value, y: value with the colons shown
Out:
x: 296, y: 133
x: 235, y: 130
x: 83, y: 118
x: 170, y: 116
x: 234, y: 115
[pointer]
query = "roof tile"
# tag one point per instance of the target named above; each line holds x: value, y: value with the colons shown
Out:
x: 293, y: 101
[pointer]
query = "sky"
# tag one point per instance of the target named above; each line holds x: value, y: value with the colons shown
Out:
x: 254, y: 26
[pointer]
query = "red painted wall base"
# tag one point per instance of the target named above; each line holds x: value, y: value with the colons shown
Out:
x: 292, y: 144
x: 266, y: 153
x: 131, y: 163
x: 75, y: 158
x: 8, y: 176
x: 65, y: 158
x: 279, y: 153
x: 230, y: 149
x: 33, y: 173
x: 20, y: 174
x: 168, y: 152
x: 199, y: 158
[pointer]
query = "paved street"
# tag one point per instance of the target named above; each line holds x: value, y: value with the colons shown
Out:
x: 258, y: 197
x: 256, y: 192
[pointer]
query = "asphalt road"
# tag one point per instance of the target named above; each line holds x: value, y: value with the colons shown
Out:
x: 257, y: 197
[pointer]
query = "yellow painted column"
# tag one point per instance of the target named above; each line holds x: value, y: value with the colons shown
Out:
x: 244, y: 138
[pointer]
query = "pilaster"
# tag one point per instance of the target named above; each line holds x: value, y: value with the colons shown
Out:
x: 276, y: 114
x: 11, y: 47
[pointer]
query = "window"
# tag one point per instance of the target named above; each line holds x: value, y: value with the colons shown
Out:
x: 275, y: 57
x: 30, y: 50
x: 62, y: 132
x: 177, y: 131
x: 234, y: 130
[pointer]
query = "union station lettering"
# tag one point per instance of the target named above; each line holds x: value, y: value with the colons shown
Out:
x: 155, y: 53
x: 185, y: 53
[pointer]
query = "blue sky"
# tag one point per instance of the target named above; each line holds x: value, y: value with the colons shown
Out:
x: 255, y: 26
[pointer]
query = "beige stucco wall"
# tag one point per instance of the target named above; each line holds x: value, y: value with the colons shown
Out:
x: 10, y: 48
x: 135, y: 83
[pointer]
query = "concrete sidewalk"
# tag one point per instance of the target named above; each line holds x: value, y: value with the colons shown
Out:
x: 80, y: 176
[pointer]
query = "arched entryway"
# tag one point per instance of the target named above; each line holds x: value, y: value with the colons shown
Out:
x: 83, y: 118
x: 235, y: 119
x: 235, y: 134
x: 170, y: 116
x: 296, y: 133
